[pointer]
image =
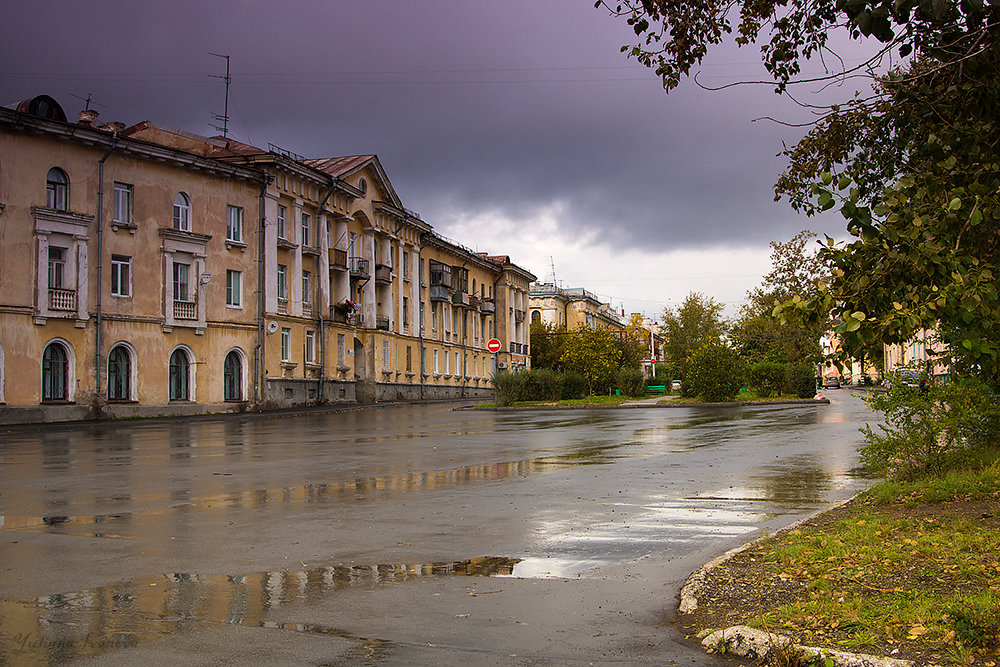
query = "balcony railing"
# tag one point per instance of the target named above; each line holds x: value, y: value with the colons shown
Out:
x: 185, y: 310
x: 383, y: 273
x: 382, y: 322
x: 473, y: 302
x: 518, y: 348
x: 62, y: 299
x: 487, y: 306
x: 360, y: 267
x: 338, y: 259
x: 460, y: 299
x: 518, y: 315
x: 356, y: 319
x: 440, y: 293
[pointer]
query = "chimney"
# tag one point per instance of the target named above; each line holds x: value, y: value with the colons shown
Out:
x: 114, y: 127
x: 88, y: 118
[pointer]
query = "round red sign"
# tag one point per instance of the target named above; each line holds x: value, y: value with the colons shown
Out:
x: 493, y: 345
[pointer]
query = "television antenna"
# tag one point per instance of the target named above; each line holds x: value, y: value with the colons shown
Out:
x: 225, y: 113
x: 89, y: 99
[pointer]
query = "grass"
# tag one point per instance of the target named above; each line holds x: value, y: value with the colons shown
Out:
x: 913, y: 565
x: 591, y: 400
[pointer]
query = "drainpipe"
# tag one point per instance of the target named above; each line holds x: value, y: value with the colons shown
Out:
x: 258, y: 353
x: 420, y: 277
x: 322, y: 329
x: 99, y: 320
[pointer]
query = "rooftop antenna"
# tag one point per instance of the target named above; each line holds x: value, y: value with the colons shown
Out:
x: 552, y: 264
x: 89, y: 99
x: 225, y: 114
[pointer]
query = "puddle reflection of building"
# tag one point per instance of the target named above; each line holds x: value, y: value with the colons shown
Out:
x: 63, y: 627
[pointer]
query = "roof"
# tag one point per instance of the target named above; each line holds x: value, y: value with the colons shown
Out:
x: 339, y: 166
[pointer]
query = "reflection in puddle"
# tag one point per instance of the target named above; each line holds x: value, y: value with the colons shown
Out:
x: 70, y: 626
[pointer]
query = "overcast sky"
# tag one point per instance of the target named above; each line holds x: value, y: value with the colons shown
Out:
x: 514, y: 128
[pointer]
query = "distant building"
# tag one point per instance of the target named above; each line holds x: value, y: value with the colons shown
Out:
x: 148, y: 270
x: 572, y: 308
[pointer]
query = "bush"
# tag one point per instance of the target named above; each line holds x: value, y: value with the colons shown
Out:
x: 541, y: 384
x: 665, y: 374
x: 715, y: 372
x: 800, y: 380
x: 631, y: 382
x: 767, y: 378
x: 574, y: 386
x: 508, y: 387
x: 930, y: 433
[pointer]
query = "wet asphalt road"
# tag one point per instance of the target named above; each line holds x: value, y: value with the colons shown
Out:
x: 397, y: 535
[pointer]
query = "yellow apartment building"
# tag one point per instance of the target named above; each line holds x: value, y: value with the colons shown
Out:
x: 572, y: 308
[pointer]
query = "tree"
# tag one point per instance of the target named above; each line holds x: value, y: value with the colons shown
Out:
x: 761, y: 337
x: 547, y: 344
x: 592, y: 353
x: 914, y: 167
x: 633, y: 343
x: 714, y: 372
x: 697, y: 321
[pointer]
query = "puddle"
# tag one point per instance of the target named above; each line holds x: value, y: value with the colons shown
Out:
x: 68, y: 626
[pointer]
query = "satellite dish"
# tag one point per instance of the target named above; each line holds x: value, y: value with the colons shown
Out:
x: 272, y: 326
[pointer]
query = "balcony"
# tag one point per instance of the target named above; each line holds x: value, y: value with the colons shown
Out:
x: 360, y: 268
x: 382, y: 322
x: 487, y: 307
x: 383, y: 274
x: 356, y: 320
x: 185, y: 310
x: 338, y: 259
x: 440, y: 293
x: 518, y: 315
x: 473, y: 302
x: 460, y: 299
x: 338, y: 314
x: 62, y: 299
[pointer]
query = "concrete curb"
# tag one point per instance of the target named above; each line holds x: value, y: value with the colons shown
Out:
x: 662, y: 404
x: 746, y: 642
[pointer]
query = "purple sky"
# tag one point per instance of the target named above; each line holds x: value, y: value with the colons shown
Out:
x: 490, y: 119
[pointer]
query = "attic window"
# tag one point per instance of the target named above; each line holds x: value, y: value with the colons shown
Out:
x: 363, y: 185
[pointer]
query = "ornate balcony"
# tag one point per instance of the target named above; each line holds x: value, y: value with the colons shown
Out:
x: 62, y: 299
x: 360, y: 267
x: 518, y: 315
x: 185, y: 310
x: 382, y: 322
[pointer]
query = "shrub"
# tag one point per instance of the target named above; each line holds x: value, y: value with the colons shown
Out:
x: 542, y: 384
x: 631, y: 382
x: 800, y: 380
x: 508, y: 387
x: 767, y: 378
x: 930, y: 433
x: 715, y: 372
x: 665, y: 374
x: 574, y: 386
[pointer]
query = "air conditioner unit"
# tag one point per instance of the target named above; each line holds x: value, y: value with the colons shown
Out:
x: 502, y: 364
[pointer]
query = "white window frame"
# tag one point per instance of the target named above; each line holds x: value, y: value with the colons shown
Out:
x: 282, y: 217
x: 182, y: 212
x: 306, y: 288
x: 234, y: 288
x: 286, y: 344
x: 124, y: 196
x: 121, y: 276
x: 182, y: 278
x: 234, y: 223
x: 282, y: 279
x: 435, y: 361
x: 310, y: 347
x: 306, y: 228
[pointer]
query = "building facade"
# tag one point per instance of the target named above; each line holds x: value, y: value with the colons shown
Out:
x: 572, y: 308
x: 147, y: 270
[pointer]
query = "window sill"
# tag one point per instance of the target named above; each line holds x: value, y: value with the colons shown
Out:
x: 130, y: 226
x: 289, y: 365
x: 57, y: 401
x: 233, y: 307
x: 312, y: 365
x: 230, y: 244
x: 286, y: 244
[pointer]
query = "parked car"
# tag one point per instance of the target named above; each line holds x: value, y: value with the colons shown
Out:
x: 675, y: 385
x: 833, y: 382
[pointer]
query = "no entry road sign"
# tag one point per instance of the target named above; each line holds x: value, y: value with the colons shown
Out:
x: 493, y: 345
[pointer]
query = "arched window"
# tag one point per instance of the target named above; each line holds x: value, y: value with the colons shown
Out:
x: 232, y: 377
x: 180, y: 376
x: 119, y: 374
x: 182, y: 212
x: 363, y: 186
x: 57, y: 190
x: 536, y: 317
x: 55, y: 372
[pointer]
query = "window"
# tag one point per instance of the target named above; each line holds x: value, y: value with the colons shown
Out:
x: 286, y: 344
x: 57, y: 189
x: 57, y: 267
x: 282, y: 282
x: 386, y: 361
x: 282, y: 215
x: 434, y: 319
x: 409, y: 358
x: 310, y: 347
x: 182, y: 212
x: 119, y: 374
x: 234, y: 224
x: 406, y: 311
x: 232, y: 377
x: 446, y: 358
x: 306, y: 229
x: 180, y: 369
x: 363, y: 186
x: 306, y: 287
x: 435, y: 361
x: 234, y: 288
x: 121, y: 275
x: 55, y: 372
x: 406, y: 265
x: 341, y: 349
x: 182, y: 285
x: 457, y: 367
x: 122, y: 213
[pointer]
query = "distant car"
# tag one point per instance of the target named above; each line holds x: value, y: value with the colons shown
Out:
x: 675, y: 385
x: 833, y: 382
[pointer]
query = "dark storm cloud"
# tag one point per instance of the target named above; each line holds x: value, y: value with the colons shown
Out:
x: 471, y: 106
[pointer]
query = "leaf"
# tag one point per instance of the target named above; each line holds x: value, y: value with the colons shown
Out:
x: 955, y: 204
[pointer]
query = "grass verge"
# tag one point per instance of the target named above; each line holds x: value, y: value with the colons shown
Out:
x: 907, y: 569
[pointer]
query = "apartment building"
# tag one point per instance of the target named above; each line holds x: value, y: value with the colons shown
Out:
x: 202, y: 273
x: 572, y: 308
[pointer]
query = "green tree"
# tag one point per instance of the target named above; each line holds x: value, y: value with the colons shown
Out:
x: 756, y: 333
x: 547, y: 344
x: 697, y: 321
x: 633, y: 343
x: 594, y: 354
x: 714, y: 372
